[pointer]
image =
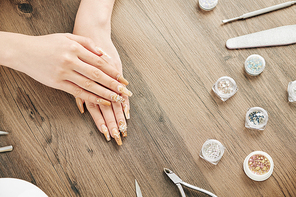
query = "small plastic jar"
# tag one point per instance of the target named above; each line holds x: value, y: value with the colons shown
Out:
x: 254, y: 65
x: 212, y: 151
x: 207, y: 5
x: 292, y: 91
x: 225, y: 87
x: 258, y: 166
x: 256, y: 118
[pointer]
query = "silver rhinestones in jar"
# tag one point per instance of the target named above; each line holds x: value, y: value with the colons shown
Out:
x: 225, y: 87
x: 212, y: 151
x: 256, y: 118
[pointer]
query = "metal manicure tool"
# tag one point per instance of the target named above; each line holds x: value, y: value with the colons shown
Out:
x: 5, y: 148
x: 261, y: 11
x: 179, y: 184
x: 138, y: 190
x: 283, y: 35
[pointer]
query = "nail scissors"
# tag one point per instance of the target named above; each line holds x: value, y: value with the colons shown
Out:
x: 138, y: 190
x: 179, y: 184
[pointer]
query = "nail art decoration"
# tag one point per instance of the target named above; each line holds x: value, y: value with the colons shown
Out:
x: 256, y: 118
x: 212, y: 151
x: 117, y: 98
x: 122, y: 128
x: 126, y: 111
x: 116, y: 136
x: 258, y: 166
x: 124, y: 90
x: 105, y: 132
x: 292, y: 91
x: 254, y: 65
x: 225, y: 87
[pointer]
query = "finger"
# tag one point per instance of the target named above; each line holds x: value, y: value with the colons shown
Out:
x: 93, y: 87
x: 94, y: 57
x: 77, y: 91
x: 96, y: 114
x: 99, y: 76
x: 118, y: 112
x: 87, y: 43
x: 126, y: 107
x: 108, y: 114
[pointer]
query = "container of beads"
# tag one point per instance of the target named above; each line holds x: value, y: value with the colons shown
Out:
x: 256, y: 118
x: 292, y: 91
x: 225, y: 87
x: 212, y: 151
x: 254, y: 65
x: 258, y: 166
x: 207, y: 5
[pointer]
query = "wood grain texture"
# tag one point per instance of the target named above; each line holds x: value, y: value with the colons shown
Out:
x: 172, y: 54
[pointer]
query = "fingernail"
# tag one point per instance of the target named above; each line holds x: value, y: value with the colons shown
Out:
x: 6, y: 149
x: 122, y: 80
x: 116, y: 136
x: 103, y: 52
x: 105, y: 132
x: 103, y: 102
x: 116, y: 98
x: 79, y: 104
x: 126, y: 111
x: 122, y: 128
x: 124, y: 90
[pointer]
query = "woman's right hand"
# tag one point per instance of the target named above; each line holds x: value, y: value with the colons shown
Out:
x: 67, y: 62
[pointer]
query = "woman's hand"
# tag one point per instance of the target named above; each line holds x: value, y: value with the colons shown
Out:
x: 93, y: 20
x: 67, y: 62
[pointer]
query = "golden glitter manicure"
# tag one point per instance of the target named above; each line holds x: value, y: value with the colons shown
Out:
x: 103, y: 102
x: 122, y: 80
x: 117, y: 98
x: 79, y: 104
x: 126, y: 111
x: 105, y: 132
x: 122, y: 128
x: 116, y: 136
x: 124, y: 90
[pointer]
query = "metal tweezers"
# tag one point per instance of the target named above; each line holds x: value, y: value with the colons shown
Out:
x: 5, y: 148
x: 179, y: 184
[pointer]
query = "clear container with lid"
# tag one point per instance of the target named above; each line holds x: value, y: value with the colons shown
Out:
x: 212, y: 151
x: 256, y: 118
x: 225, y: 87
x: 292, y: 91
x: 258, y: 166
x: 207, y: 5
x: 254, y: 65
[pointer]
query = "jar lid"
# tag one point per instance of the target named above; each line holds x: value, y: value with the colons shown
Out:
x: 207, y: 5
x: 258, y: 166
x: 254, y: 64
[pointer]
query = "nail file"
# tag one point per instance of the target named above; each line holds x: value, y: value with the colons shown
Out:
x: 283, y: 35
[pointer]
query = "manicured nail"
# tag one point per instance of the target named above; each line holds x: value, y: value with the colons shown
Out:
x: 116, y: 136
x: 105, y: 132
x: 126, y: 111
x: 124, y: 90
x: 103, y: 102
x: 3, y: 133
x: 79, y: 104
x: 6, y: 149
x: 117, y: 98
x: 122, y: 128
x: 103, y: 52
x: 122, y: 80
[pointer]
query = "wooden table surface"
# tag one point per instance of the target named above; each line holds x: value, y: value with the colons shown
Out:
x: 172, y: 54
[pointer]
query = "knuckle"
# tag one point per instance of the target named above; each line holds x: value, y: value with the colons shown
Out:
x: 97, y: 74
x: 113, y: 84
x: 88, y: 83
x: 77, y: 91
x: 74, y: 47
x: 91, y: 105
